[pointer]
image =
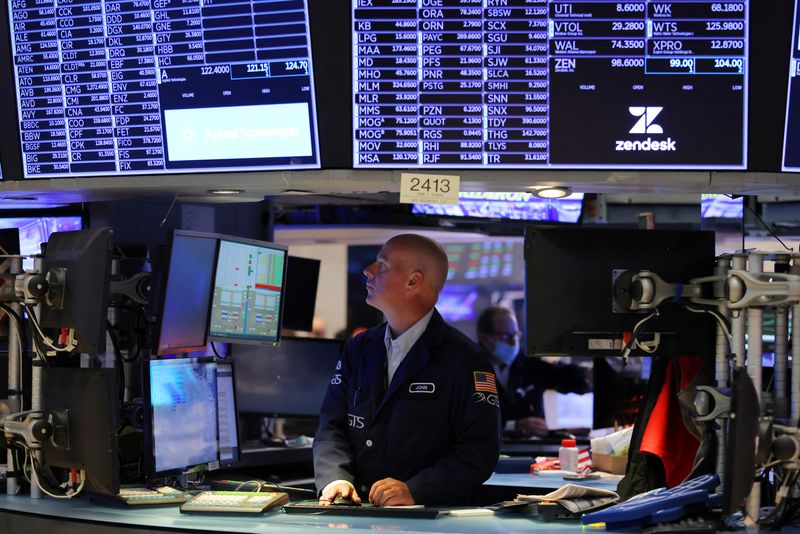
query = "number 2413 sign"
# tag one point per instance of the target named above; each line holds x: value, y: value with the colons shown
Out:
x: 430, y: 188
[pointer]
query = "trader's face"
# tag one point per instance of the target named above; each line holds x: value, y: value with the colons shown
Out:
x: 386, y: 278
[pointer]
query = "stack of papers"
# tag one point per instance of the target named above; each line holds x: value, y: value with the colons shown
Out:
x: 576, y: 498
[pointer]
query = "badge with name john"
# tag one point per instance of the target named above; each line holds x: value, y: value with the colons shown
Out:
x: 422, y: 387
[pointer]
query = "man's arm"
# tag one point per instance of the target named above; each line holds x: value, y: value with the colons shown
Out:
x: 455, y: 477
x: 333, y: 452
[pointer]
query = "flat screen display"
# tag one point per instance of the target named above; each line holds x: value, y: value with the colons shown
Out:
x: 107, y: 87
x: 791, y: 139
x: 515, y: 206
x: 187, y: 293
x: 33, y: 231
x: 192, y: 414
x: 247, y: 299
x: 721, y: 207
x: 289, y: 380
x: 538, y: 83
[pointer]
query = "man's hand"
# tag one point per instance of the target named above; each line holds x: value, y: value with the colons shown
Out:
x: 390, y: 492
x: 344, y: 489
x: 532, y: 426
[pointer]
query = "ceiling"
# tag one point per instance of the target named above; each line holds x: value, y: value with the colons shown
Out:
x: 383, y: 185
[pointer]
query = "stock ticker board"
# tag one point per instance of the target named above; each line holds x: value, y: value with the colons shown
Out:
x: 550, y: 83
x: 108, y: 87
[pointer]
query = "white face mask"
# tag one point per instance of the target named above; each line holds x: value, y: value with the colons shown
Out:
x: 505, y: 352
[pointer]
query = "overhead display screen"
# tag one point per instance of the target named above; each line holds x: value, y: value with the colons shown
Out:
x: 161, y: 86
x: 550, y: 83
x: 791, y: 139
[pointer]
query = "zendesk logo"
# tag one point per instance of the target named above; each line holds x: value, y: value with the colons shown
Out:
x: 646, y: 125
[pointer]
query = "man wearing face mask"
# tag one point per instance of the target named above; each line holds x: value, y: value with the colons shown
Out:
x: 522, y: 381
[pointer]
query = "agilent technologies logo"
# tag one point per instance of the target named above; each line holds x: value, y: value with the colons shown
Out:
x: 646, y: 125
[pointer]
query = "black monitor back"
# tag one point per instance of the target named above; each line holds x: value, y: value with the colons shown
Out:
x: 86, y: 256
x: 289, y: 380
x: 89, y: 399
x: 569, y: 295
x: 302, y: 278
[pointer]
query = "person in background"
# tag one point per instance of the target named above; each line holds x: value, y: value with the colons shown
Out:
x: 522, y: 381
x: 411, y: 415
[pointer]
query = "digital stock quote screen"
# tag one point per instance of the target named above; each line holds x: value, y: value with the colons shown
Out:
x: 111, y: 87
x: 550, y: 83
x: 791, y: 139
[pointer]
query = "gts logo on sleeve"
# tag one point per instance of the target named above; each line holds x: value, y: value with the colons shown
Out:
x: 355, y: 421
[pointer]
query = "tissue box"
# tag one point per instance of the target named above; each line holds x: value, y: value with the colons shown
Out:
x: 609, y: 463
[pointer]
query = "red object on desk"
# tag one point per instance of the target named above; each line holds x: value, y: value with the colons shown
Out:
x: 666, y: 434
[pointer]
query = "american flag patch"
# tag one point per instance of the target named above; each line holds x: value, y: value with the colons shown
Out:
x: 484, y: 382
x: 584, y: 461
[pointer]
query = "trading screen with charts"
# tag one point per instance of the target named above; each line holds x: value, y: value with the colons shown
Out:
x: 247, y: 292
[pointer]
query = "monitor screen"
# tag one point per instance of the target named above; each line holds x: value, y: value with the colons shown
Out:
x: 33, y: 231
x: 470, y: 84
x: 302, y: 277
x: 721, y: 207
x: 136, y: 87
x: 289, y: 380
x: 570, y: 297
x: 791, y: 138
x: 515, y: 206
x: 191, y: 416
x: 186, y: 295
x: 248, y: 291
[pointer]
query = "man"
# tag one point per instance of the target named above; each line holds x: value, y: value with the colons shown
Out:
x: 521, y: 381
x: 411, y: 414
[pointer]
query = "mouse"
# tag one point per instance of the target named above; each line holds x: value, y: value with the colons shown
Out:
x: 344, y: 501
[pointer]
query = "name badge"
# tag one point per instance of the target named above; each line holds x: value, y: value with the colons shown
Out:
x: 422, y: 387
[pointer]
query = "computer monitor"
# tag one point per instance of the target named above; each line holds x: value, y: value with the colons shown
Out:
x: 186, y: 293
x: 190, y: 416
x: 85, y: 404
x: 33, y: 231
x: 521, y: 206
x: 248, y: 294
x: 287, y: 381
x: 721, y: 207
x: 80, y: 262
x: 144, y: 89
x: 569, y: 294
x: 302, y: 278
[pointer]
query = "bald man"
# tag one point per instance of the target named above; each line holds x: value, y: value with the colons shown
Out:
x: 411, y: 415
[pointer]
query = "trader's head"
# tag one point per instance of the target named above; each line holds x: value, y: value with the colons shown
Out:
x: 498, y: 333
x: 407, y: 276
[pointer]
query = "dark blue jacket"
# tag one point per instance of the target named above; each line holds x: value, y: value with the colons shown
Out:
x: 437, y: 428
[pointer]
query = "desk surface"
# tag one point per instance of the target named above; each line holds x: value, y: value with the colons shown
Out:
x: 168, y: 517
x: 543, y: 483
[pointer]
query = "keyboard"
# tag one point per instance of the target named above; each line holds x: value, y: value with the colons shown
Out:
x: 235, y: 502
x: 365, y: 510
x: 656, y: 506
x: 143, y: 496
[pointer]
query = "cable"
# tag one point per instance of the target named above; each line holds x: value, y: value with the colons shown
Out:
x: 626, y: 350
x: 723, y: 324
x: 38, y: 479
x: 46, y: 340
x: 771, y: 232
x: 214, y: 348
x: 20, y: 330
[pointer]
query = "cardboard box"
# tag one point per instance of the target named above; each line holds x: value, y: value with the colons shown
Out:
x: 609, y: 463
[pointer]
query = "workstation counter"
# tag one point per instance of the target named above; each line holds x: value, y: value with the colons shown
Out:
x: 21, y: 514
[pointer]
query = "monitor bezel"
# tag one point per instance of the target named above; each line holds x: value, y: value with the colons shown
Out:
x: 247, y: 340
